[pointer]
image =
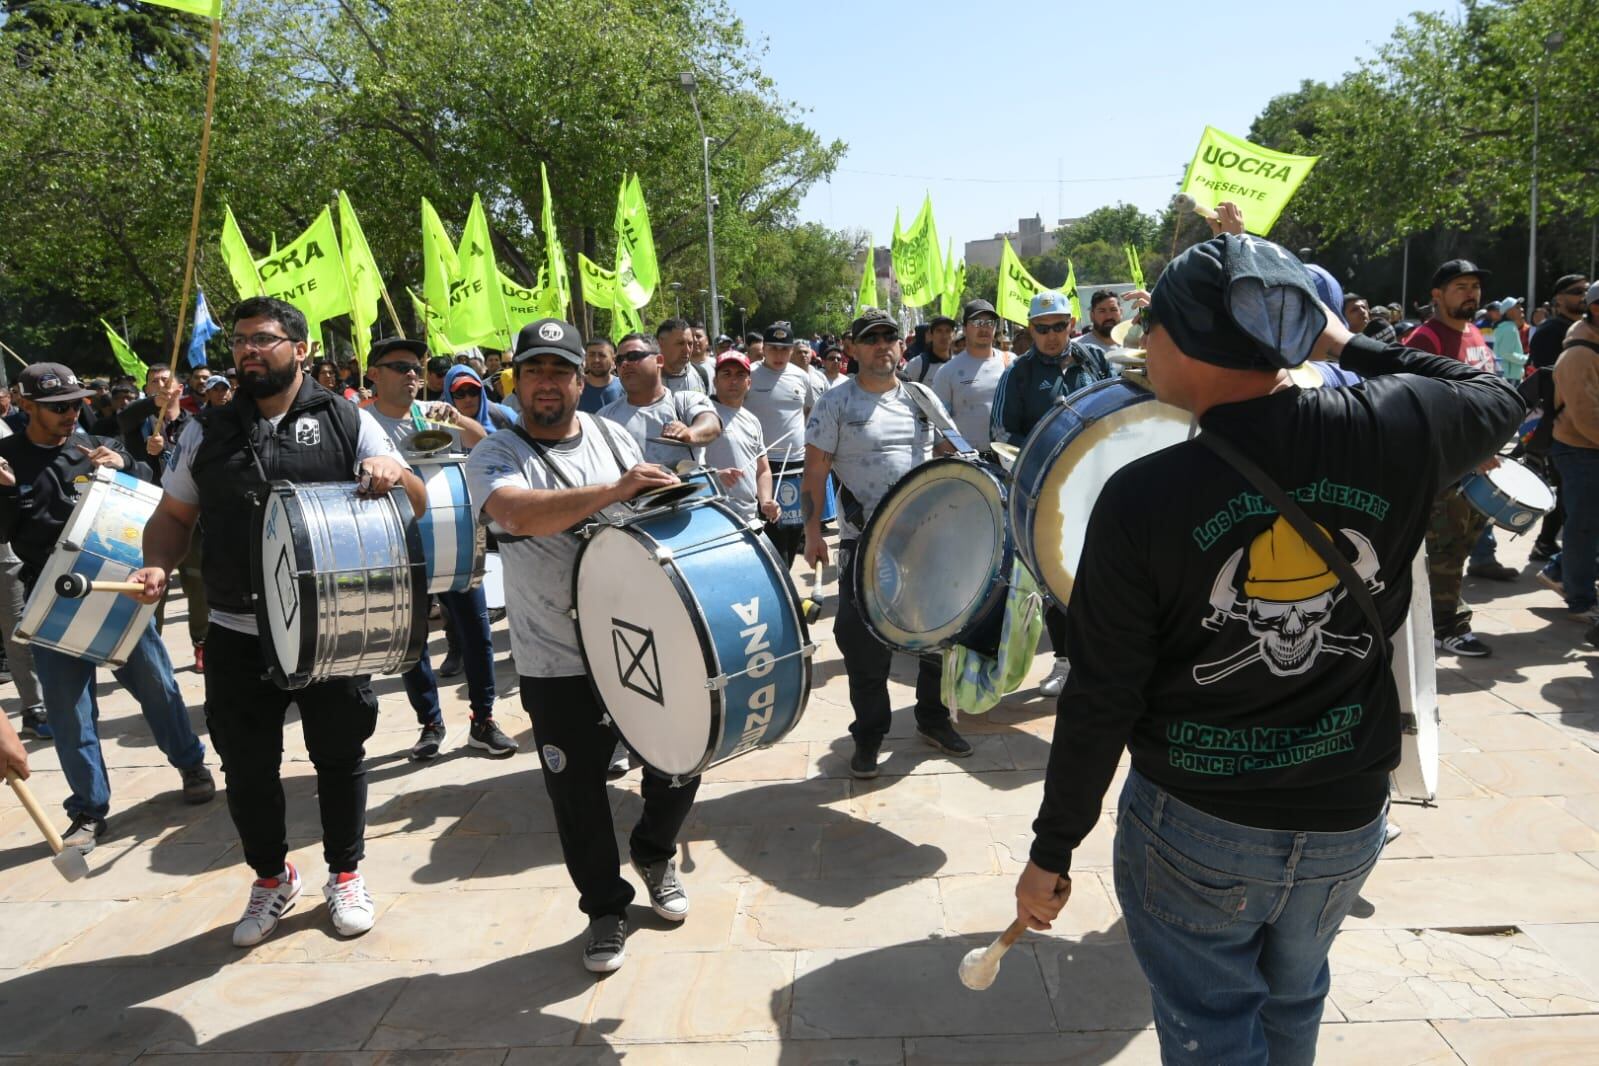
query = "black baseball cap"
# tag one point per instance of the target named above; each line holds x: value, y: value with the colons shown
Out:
x: 752, y: 337
x: 975, y: 308
x: 549, y: 336
x: 1456, y: 268
x: 779, y: 333
x: 397, y: 344
x: 51, y: 381
x: 940, y: 320
x: 440, y: 365
x: 1570, y: 281
x: 872, y: 318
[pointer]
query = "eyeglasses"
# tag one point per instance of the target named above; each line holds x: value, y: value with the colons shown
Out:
x: 62, y: 407
x: 258, y: 341
x: 879, y: 337
x: 1039, y: 329
x: 632, y: 357
x: 986, y: 323
x: 399, y: 368
x: 468, y: 392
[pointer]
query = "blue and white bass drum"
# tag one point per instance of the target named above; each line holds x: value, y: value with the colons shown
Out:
x: 691, y: 634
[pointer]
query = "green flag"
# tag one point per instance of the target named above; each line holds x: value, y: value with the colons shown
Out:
x: 599, y: 285
x: 308, y: 272
x: 237, y: 256
x: 916, y: 259
x: 1257, y: 179
x: 432, y: 325
x: 366, y: 284
x: 1135, y: 268
x: 130, y: 363
x: 477, y: 304
x: 559, y: 290
x: 866, y: 296
x: 637, y: 272
x: 1069, y: 287
x: 1016, y: 287
x: 624, y: 318
x: 439, y: 264
x: 211, y: 9
x: 522, y: 304
x: 954, y: 284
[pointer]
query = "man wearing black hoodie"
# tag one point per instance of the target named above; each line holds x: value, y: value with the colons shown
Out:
x: 1234, y: 662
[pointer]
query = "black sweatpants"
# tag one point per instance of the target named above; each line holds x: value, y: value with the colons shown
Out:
x: 575, y: 749
x: 244, y: 712
x: 1055, y: 622
x: 867, y: 662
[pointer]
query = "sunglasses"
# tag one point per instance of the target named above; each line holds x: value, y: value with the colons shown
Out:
x: 1039, y: 330
x: 61, y: 407
x: 400, y: 368
x: 1578, y: 291
x: 877, y: 338
x: 989, y: 323
x: 632, y: 357
x: 468, y: 392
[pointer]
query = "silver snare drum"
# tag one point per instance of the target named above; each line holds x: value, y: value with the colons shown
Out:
x: 340, y: 583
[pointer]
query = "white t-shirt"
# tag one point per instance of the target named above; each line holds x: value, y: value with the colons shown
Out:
x: 780, y: 398
x: 177, y: 481
x: 965, y: 386
x: 739, y: 446
x: 875, y: 438
x: 642, y: 423
x: 538, y: 570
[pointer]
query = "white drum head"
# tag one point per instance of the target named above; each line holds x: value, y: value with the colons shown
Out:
x: 1522, y: 486
x: 1079, y: 474
x: 1416, y: 676
x: 280, y: 585
x: 643, y: 651
x: 493, y: 582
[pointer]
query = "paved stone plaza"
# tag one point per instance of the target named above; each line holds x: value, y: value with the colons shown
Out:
x: 829, y: 915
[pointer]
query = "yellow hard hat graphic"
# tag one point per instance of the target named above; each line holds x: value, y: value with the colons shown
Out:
x: 1283, y: 568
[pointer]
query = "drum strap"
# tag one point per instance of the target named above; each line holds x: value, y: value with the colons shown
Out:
x: 541, y: 450
x: 928, y: 405
x: 1307, y: 530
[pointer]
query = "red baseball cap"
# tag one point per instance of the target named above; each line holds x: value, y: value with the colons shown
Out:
x: 736, y: 358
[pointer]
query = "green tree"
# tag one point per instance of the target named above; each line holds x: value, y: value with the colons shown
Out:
x: 1116, y: 226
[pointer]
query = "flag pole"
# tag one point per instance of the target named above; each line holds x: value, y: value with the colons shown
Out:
x: 199, y: 191
x: 13, y: 354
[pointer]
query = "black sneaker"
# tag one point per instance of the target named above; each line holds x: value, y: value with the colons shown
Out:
x: 428, y: 743
x: 607, y: 944
x: 1464, y: 644
x: 864, y: 762
x: 1542, y: 552
x: 451, y: 666
x: 34, y: 727
x: 198, y: 785
x: 5, y: 668
x: 83, y: 833
x: 943, y: 737
x: 486, y: 736
x: 1592, y: 636
x: 1493, y: 570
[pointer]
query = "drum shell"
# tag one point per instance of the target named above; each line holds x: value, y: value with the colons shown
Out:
x: 102, y: 540
x: 357, y: 579
x: 786, y: 482
x: 984, y: 613
x: 716, y: 567
x: 453, y: 540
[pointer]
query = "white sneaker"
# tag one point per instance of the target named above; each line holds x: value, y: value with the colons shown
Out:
x: 1391, y: 832
x: 349, y: 903
x: 270, y: 899
x: 1056, y: 680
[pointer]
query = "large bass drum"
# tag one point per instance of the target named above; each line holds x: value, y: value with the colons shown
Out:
x: 935, y: 559
x: 1416, y: 676
x: 1065, y: 462
x: 340, y: 583
x: 691, y: 635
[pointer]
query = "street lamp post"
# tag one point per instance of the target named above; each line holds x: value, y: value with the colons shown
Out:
x: 742, y: 328
x: 677, y: 291
x: 1551, y: 44
x: 704, y: 317
x: 689, y: 84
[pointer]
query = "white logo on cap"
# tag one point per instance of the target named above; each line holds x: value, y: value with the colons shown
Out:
x: 49, y: 381
x: 551, y: 331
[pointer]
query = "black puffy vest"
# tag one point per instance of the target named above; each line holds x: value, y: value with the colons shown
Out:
x: 315, y: 441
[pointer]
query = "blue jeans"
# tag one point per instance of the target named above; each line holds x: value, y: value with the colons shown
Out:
x: 1483, y: 550
x: 74, y: 716
x: 1231, y: 925
x: 468, y: 613
x: 1579, y: 487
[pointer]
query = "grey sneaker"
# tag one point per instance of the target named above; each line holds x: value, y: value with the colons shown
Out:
x: 620, y: 764
x: 198, y: 784
x: 1056, y: 680
x: 667, y: 897
x: 83, y: 833
x: 428, y: 743
x: 607, y: 945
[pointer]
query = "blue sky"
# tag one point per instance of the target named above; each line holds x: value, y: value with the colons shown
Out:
x: 984, y: 104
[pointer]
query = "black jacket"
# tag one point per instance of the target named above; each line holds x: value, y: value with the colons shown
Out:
x: 1031, y: 384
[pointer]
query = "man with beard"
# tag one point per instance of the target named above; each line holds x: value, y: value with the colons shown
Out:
x: 1104, y: 312
x: 674, y: 339
x: 600, y: 385
x: 924, y: 367
x: 1052, y: 368
x: 1543, y: 351
x: 42, y: 471
x: 540, y: 485
x: 281, y: 425
x: 1456, y: 526
x: 870, y: 432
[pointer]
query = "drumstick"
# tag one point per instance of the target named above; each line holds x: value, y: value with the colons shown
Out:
x: 776, y: 442
x: 981, y: 965
x: 69, y: 861
x: 76, y: 586
x: 811, y: 606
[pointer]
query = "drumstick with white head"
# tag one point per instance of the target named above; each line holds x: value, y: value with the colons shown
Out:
x: 76, y: 586
x: 981, y: 965
x: 1183, y: 202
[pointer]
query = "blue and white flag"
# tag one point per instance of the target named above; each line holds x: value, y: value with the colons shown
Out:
x: 205, y: 328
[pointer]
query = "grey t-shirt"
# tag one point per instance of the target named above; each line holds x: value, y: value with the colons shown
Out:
x: 874, y: 439
x: 690, y: 380
x: 913, y: 369
x: 780, y: 398
x: 965, y: 386
x: 538, y: 570
x: 402, y: 429
x: 177, y: 481
x: 739, y: 446
x: 642, y: 423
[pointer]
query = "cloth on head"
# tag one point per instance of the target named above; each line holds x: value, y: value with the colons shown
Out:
x: 1242, y: 303
x: 1327, y: 287
x: 493, y: 415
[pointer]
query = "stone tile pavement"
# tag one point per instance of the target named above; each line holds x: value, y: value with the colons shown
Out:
x: 828, y: 914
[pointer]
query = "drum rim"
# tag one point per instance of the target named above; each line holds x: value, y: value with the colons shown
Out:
x: 997, y: 591
x: 1065, y: 405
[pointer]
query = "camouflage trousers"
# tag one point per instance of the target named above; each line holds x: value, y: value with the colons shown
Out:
x: 1452, y: 529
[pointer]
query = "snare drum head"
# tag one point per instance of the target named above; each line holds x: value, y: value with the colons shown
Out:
x: 1073, y: 483
x: 280, y: 605
x: 935, y: 555
x: 1522, y: 486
